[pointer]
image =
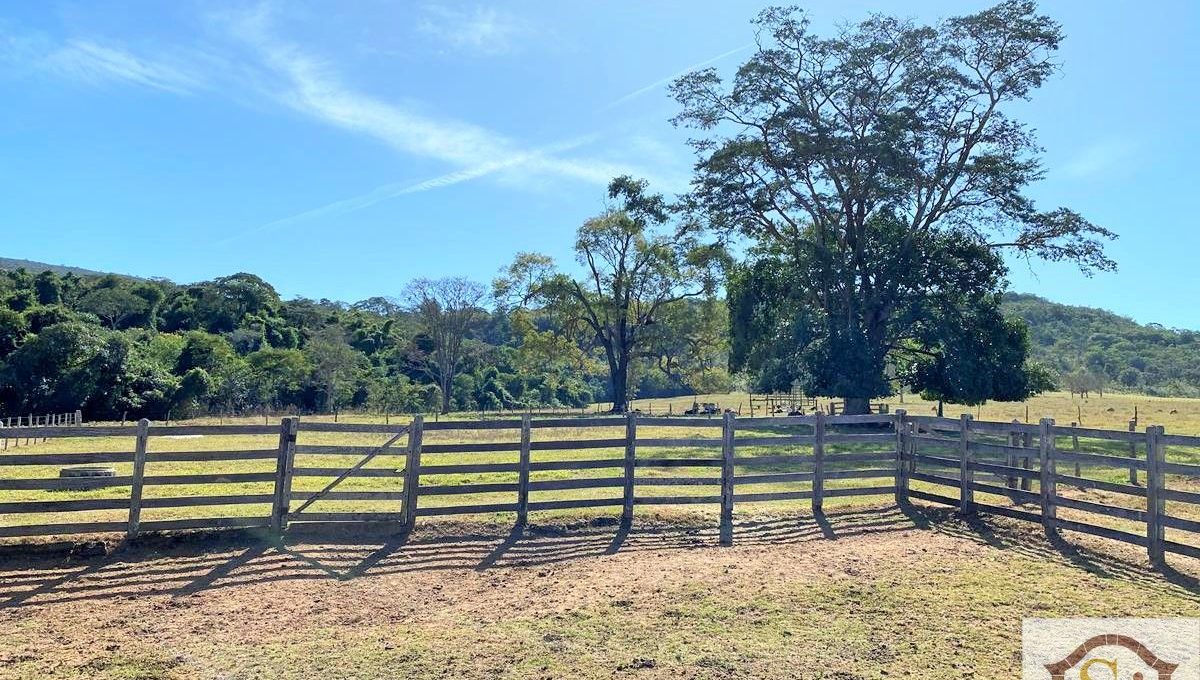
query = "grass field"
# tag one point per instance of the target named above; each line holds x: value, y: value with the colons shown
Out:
x: 383, y: 465
x: 1113, y: 410
x: 870, y: 592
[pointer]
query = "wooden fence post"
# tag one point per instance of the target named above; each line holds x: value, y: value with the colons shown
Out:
x: 818, y: 483
x: 523, y: 474
x: 901, y: 463
x: 1075, y: 448
x: 412, y: 471
x: 1049, y: 489
x: 139, y: 474
x: 630, y: 458
x: 1133, y: 453
x: 966, y: 467
x: 727, y: 432
x: 1155, y: 503
x: 285, y: 461
x: 1012, y: 460
x: 913, y: 432
x: 1027, y: 443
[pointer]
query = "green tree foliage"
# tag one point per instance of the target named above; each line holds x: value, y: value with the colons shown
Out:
x: 14, y: 328
x: 114, y: 305
x: 231, y: 345
x: 335, y: 366
x: 975, y: 356
x: 1118, y: 352
x: 632, y: 272
x: 689, y: 344
x: 877, y: 170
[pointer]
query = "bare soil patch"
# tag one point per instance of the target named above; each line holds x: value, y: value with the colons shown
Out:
x: 863, y: 593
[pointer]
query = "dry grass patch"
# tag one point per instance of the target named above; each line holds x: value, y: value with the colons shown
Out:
x: 864, y: 593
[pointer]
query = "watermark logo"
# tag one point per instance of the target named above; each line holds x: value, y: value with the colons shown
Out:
x: 1110, y: 649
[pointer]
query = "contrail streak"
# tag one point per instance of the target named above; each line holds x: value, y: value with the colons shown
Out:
x: 659, y: 83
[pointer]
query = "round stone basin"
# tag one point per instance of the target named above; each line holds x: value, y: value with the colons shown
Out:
x: 87, y: 471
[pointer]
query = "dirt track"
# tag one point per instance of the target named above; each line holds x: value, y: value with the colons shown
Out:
x: 864, y: 593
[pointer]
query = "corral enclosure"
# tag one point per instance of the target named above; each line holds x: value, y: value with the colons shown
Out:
x: 1136, y: 487
x: 907, y: 588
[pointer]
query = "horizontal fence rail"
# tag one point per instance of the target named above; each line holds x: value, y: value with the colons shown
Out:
x: 25, y: 426
x: 1115, y: 484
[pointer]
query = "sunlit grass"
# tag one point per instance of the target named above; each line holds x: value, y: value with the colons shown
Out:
x: 393, y: 460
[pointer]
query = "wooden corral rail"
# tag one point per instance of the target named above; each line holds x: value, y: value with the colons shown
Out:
x: 293, y: 473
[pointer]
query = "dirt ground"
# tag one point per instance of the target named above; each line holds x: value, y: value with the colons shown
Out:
x: 863, y: 593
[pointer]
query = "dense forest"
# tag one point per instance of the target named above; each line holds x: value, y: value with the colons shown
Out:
x: 113, y: 345
x: 1092, y: 349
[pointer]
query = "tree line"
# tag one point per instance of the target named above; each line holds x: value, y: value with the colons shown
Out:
x: 116, y: 347
x: 855, y: 196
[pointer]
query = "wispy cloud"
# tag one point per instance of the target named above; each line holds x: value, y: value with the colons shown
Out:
x: 95, y: 61
x: 663, y: 81
x: 97, y: 64
x: 398, y: 189
x: 1100, y: 157
x: 480, y: 29
x: 285, y: 73
x: 312, y: 88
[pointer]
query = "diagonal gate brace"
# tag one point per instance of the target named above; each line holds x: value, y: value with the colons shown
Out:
x: 355, y: 468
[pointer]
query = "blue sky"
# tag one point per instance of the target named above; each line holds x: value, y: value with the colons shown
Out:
x: 340, y: 149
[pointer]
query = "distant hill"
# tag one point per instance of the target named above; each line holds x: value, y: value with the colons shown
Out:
x: 1135, y: 357
x: 34, y: 267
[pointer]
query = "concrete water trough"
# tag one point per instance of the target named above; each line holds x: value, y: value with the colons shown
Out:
x: 84, y: 473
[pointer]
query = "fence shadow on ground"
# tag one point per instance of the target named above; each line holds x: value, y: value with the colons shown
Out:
x: 180, y: 566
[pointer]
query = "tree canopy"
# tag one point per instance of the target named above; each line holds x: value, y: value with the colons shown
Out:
x: 232, y: 345
x: 880, y: 174
x: 633, y: 273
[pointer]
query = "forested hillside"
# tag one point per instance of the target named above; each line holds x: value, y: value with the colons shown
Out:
x: 1093, y: 349
x: 113, y: 345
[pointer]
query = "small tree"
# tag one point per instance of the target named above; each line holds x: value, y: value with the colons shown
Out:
x: 631, y: 271
x: 1083, y: 382
x: 690, y: 345
x: 447, y: 309
x: 973, y: 356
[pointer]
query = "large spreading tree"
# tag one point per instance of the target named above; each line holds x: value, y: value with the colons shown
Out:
x: 881, y: 179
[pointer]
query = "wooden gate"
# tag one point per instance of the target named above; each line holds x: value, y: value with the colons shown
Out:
x: 345, y: 474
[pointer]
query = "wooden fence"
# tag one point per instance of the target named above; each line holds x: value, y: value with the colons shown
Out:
x: 33, y: 420
x: 1021, y: 463
x: 300, y: 472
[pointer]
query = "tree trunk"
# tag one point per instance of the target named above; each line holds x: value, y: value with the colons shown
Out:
x: 445, y: 398
x: 620, y: 388
x: 857, y: 406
